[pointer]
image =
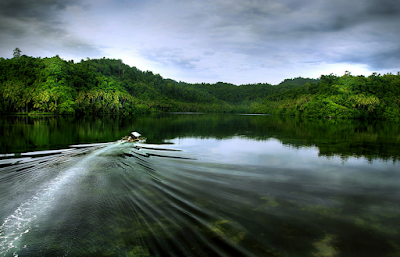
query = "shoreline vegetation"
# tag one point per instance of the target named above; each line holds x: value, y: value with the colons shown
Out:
x: 53, y: 86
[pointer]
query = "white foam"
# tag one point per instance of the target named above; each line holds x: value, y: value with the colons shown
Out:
x: 22, y: 221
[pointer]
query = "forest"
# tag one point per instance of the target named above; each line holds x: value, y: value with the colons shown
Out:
x: 36, y: 86
x: 333, y: 97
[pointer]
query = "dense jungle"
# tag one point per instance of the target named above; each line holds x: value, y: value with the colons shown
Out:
x: 34, y: 85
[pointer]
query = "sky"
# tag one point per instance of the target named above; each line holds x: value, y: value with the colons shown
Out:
x: 234, y: 41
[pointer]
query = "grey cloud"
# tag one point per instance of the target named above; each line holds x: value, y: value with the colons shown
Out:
x: 283, y: 33
x: 42, y: 10
x: 79, y: 48
x: 303, y: 16
x: 170, y: 57
x: 386, y: 60
x: 294, y: 27
x: 86, y: 7
x: 23, y: 16
x: 208, y: 53
x: 25, y: 23
x: 341, y: 15
x: 375, y: 60
x: 384, y: 8
x: 183, y: 34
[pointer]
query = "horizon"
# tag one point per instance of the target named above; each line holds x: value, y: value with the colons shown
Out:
x: 76, y: 62
x: 238, y: 42
x: 180, y: 81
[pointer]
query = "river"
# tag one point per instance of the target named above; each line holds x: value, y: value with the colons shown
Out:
x: 200, y: 185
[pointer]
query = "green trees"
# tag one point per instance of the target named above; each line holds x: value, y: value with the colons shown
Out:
x: 346, y: 97
x: 17, y: 53
x: 99, y: 86
x: 53, y: 85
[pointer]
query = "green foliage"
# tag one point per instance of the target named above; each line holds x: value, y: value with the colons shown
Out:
x: 67, y: 107
x: 299, y: 81
x: 17, y: 53
x: 346, y: 97
x: 391, y: 114
x: 100, y: 86
x: 108, y: 86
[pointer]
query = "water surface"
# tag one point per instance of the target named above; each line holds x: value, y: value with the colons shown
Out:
x: 201, y: 185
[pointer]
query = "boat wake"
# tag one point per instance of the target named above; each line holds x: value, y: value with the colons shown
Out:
x: 116, y: 198
x: 130, y: 198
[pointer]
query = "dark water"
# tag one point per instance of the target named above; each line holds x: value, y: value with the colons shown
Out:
x: 201, y: 185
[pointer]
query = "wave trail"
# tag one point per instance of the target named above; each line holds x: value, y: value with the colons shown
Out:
x: 43, y: 177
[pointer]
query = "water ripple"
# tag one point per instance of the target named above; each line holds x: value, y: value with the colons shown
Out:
x: 131, y: 199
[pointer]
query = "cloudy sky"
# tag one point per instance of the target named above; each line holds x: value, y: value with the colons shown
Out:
x: 236, y: 41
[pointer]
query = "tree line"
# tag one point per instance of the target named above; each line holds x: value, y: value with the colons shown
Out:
x: 99, y: 86
x: 339, y: 97
x: 108, y: 86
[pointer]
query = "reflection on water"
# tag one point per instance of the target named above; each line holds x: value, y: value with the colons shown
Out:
x: 198, y: 197
x: 348, y: 139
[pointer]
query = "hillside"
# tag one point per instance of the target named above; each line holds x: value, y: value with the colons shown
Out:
x: 345, y: 97
x: 108, y: 86
x: 98, y: 86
